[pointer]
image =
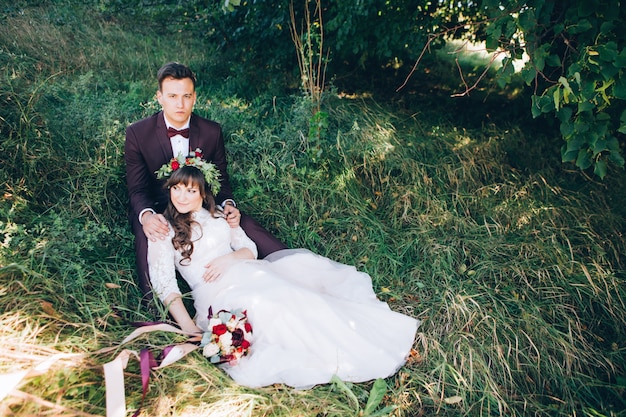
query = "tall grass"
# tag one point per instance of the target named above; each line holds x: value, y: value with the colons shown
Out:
x: 513, y: 263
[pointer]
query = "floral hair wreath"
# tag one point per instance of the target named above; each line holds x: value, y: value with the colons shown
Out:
x: 194, y: 159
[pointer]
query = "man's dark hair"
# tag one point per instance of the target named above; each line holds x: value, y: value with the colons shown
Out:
x: 177, y: 71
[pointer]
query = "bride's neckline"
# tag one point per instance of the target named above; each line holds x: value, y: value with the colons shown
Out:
x: 201, y: 214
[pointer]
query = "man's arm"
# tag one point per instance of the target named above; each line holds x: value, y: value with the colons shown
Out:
x: 137, y: 180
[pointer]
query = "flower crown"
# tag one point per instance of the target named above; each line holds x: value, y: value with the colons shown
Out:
x: 194, y: 159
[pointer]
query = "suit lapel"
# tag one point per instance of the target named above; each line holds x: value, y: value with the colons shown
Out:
x: 164, y: 141
x: 194, y: 134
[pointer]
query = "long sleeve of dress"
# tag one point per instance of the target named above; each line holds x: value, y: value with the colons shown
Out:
x: 239, y: 240
x: 161, y: 262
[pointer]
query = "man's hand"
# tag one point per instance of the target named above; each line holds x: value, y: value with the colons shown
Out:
x: 232, y: 215
x: 154, y: 226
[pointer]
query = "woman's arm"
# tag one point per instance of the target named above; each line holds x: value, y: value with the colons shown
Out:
x: 162, y: 269
x: 179, y: 312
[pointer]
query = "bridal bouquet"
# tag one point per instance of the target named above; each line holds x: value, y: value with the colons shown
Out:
x: 228, y: 336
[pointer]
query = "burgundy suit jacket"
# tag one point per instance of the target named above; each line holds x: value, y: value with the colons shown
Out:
x: 148, y: 147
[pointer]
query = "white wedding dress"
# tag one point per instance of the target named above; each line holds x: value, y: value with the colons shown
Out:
x: 312, y: 318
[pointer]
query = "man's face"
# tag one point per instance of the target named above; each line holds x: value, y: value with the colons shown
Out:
x: 177, y: 98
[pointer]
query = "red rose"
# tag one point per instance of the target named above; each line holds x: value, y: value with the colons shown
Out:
x: 248, y: 327
x: 245, y: 344
x: 219, y: 329
x: 175, y: 165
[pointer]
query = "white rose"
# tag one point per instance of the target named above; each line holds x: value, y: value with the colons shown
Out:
x: 214, y: 322
x: 232, y: 324
x: 210, y: 350
x: 226, y: 340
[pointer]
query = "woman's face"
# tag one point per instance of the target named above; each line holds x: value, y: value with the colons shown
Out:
x: 186, y: 197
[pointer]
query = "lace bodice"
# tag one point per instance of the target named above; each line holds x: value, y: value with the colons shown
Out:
x: 212, y: 237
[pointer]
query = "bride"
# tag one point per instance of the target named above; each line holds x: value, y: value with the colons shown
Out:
x: 313, y: 318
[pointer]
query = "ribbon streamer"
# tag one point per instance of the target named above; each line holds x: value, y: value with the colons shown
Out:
x: 114, y: 370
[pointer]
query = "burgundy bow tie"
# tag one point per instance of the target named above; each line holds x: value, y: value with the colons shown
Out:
x: 173, y: 132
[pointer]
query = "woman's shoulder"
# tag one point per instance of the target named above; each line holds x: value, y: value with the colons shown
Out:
x: 204, y: 216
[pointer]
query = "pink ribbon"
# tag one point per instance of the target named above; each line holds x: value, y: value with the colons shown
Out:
x: 114, y: 370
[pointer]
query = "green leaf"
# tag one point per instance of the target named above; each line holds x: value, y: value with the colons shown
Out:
x: 583, y: 161
x: 494, y: 31
x: 540, y: 63
x: 527, y: 20
x: 587, y: 89
x: 608, y: 71
x: 565, y: 114
x: 612, y: 143
x: 586, y: 8
x: 600, y: 169
x: 603, y: 117
x: 585, y: 106
x: 336, y: 381
x: 377, y: 393
x: 535, y: 108
x: 563, y: 81
x: 575, y: 143
x: 566, y: 128
x: 622, y: 122
x: 557, y: 98
x: 506, y: 72
x: 528, y: 74
x: 607, y: 27
x: 617, y: 158
x: 568, y: 155
x: 583, y: 25
x: 619, y: 88
x: 575, y: 68
x: 608, y: 51
x: 553, y: 60
x: 384, y: 412
x: 620, y: 60
x: 558, y: 28
x: 599, y: 146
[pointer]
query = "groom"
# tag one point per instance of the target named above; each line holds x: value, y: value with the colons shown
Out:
x: 152, y: 142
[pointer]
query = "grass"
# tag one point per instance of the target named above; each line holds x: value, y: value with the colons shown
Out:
x: 460, y: 211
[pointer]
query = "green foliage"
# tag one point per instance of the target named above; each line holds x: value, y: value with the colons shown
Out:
x: 576, y: 52
x: 577, y: 67
x: 376, y: 395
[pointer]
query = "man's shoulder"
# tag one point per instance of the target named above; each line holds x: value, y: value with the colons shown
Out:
x: 203, y: 122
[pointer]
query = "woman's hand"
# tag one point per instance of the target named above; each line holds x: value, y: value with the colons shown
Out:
x: 218, y: 266
x: 197, y: 333
x: 232, y: 215
x: 214, y: 269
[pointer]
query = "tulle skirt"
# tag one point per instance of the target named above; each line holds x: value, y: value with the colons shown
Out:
x: 312, y: 319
